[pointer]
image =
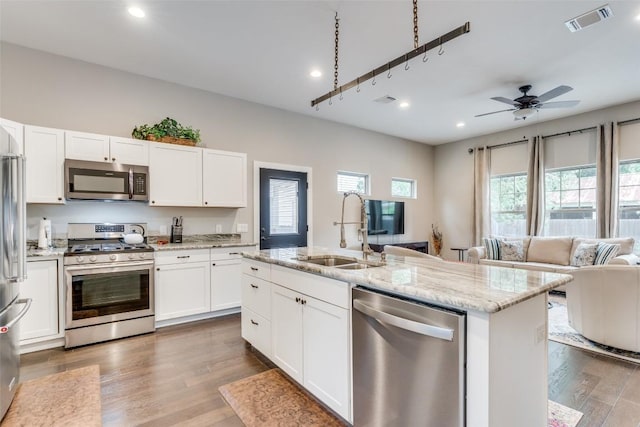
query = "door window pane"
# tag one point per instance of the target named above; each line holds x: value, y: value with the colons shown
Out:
x: 284, y: 206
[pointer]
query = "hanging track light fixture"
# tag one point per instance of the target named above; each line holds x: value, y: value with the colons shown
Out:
x: 402, y: 59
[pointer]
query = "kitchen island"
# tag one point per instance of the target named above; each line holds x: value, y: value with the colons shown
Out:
x: 506, y: 323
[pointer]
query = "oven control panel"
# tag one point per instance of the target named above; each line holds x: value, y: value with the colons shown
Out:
x: 109, y: 228
x: 108, y: 258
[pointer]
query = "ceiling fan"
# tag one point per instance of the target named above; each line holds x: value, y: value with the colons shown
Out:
x: 526, y: 105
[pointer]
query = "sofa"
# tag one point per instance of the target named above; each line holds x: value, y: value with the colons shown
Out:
x: 603, y: 301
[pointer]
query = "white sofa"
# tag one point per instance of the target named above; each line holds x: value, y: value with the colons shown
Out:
x: 603, y: 301
x: 554, y: 254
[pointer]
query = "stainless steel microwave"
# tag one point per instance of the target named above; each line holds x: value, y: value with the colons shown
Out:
x: 105, y: 181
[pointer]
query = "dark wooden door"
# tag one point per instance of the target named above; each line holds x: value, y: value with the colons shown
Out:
x: 283, y: 209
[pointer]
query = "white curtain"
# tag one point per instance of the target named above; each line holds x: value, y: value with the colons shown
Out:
x: 481, y: 195
x: 607, y: 180
x: 535, y: 187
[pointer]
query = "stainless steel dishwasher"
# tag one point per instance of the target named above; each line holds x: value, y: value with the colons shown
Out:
x: 408, y: 362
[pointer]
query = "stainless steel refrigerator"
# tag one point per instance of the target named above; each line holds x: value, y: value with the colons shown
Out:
x: 12, y: 267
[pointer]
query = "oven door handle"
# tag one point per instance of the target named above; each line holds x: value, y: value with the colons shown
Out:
x: 115, y: 265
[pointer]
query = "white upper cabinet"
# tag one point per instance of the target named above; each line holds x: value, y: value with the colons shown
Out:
x: 16, y: 130
x: 129, y: 151
x: 175, y: 175
x: 224, y: 179
x: 44, y: 153
x: 102, y: 148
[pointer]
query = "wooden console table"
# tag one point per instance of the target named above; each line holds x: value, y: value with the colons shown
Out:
x: 422, y: 246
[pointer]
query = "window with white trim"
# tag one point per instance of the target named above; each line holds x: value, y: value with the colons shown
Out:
x: 353, y: 181
x: 629, y: 201
x: 401, y: 187
x: 570, y: 202
x: 509, y: 204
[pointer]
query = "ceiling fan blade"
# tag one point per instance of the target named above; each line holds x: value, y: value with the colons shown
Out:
x: 558, y: 104
x: 494, y: 112
x: 505, y: 100
x: 560, y: 90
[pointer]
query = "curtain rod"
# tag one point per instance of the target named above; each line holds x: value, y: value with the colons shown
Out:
x: 625, y: 122
x: 503, y: 144
x: 628, y: 122
x: 568, y: 133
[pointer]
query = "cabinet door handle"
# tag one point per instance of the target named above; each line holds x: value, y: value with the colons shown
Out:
x: 214, y: 264
x: 254, y: 269
x: 254, y: 322
x: 298, y: 299
x: 206, y: 203
x: 157, y: 268
x: 106, y: 158
x: 254, y: 286
x: 183, y: 256
x: 113, y: 159
x: 304, y: 301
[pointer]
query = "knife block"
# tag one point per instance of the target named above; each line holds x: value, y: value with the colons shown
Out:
x: 176, y: 234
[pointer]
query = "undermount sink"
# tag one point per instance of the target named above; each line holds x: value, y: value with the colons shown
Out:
x: 337, y: 261
x: 327, y: 260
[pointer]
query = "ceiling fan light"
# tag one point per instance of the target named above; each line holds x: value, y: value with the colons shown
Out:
x: 524, y: 112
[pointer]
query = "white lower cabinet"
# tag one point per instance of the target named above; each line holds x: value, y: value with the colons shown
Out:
x: 182, y: 284
x: 44, y: 319
x: 226, y: 279
x: 310, y: 336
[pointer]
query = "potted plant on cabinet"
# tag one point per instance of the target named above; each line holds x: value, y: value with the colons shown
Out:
x: 168, y: 130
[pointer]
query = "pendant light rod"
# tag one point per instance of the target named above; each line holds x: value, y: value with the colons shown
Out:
x: 402, y: 59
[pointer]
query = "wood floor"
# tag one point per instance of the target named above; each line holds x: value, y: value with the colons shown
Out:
x: 172, y: 377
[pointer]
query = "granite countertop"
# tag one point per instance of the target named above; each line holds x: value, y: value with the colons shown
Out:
x: 45, y: 253
x: 452, y: 284
x: 202, y: 241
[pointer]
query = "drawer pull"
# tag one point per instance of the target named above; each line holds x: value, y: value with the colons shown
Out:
x: 234, y: 253
x: 183, y: 256
x: 254, y: 286
x: 254, y: 268
x: 298, y: 299
x: 254, y: 322
x: 214, y: 264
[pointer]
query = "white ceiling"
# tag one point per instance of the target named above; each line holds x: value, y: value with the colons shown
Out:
x: 263, y: 51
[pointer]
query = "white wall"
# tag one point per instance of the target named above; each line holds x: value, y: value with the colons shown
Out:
x: 47, y: 90
x: 453, y: 167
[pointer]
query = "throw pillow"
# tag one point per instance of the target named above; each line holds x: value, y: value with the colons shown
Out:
x: 492, y: 248
x: 605, y: 252
x: 585, y: 254
x: 512, y: 250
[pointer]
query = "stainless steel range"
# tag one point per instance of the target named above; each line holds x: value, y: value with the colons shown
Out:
x: 109, y: 283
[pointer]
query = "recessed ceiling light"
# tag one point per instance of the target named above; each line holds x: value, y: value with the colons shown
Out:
x: 404, y: 104
x: 136, y: 11
x: 315, y: 73
x: 460, y: 124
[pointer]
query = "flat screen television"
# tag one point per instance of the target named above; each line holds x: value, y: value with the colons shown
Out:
x: 384, y: 217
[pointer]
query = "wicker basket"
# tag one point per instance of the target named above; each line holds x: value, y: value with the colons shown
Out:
x: 172, y: 140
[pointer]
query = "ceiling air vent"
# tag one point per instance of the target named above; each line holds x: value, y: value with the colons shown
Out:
x: 385, y: 99
x: 589, y: 18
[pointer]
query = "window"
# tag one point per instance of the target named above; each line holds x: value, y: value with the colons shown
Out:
x: 570, y: 202
x: 353, y: 181
x: 283, y: 194
x: 629, y: 201
x: 401, y: 187
x: 509, y: 204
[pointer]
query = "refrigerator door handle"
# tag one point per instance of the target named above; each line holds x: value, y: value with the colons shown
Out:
x: 402, y: 323
x: 27, y: 304
x: 22, y: 222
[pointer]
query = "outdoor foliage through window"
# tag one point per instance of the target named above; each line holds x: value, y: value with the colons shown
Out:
x: 629, y: 201
x: 353, y: 181
x: 403, y: 187
x: 509, y: 205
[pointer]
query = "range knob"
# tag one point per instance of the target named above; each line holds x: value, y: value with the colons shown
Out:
x: 80, y: 259
x: 131, y: 256
x: 112, y: 257
x: 93, y: 258
x: 142, y: 255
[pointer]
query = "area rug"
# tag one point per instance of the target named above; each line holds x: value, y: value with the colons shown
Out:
x: 562, y: 416
x: 560, y: 331
x: 270, y: 399
x: 70, y: 398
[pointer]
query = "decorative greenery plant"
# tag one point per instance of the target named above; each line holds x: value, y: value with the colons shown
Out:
x: 167, y: 127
